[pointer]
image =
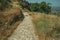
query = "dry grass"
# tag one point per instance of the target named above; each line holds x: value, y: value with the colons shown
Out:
x: 11, y: 11
x: 5, y: 16
x: 45, y: 23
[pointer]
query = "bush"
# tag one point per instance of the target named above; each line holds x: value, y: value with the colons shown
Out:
x: 4, y: 4
x: 24, y: 4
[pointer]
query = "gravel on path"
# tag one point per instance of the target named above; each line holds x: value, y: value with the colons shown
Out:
x: 24, y: 31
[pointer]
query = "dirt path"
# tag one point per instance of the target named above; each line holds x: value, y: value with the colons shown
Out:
x: 24, y: 31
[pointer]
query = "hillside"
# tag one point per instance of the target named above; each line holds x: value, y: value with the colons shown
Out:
x: 10, y: 18
x: 47, y: 25
x: 21, y: 20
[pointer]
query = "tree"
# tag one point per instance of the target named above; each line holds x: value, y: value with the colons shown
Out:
x: 45, y: 7
x: 35, y: 7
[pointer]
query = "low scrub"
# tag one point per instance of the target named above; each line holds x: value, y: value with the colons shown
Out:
x: 48, y: 24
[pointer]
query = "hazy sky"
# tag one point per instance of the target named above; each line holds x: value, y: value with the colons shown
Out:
x: 53, y: 2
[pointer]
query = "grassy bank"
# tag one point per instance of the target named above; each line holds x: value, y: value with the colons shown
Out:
x: 47, y: 25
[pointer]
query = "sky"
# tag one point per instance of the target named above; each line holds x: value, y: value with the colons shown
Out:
x: 53, y: 2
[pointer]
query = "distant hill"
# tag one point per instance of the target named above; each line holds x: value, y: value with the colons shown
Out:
x: 55, y: 9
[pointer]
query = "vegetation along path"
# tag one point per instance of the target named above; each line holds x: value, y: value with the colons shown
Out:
x: 24, y: 31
